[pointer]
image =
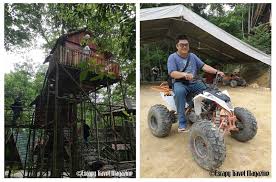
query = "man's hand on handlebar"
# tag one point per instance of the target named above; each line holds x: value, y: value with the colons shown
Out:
x: 220, y: 73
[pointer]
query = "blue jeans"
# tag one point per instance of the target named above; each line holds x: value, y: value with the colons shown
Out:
x: 181, y: 91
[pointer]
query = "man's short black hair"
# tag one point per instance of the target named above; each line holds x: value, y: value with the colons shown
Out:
x: 181, y: 37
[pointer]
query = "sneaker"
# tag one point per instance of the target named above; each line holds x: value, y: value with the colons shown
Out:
x: 183, y: 130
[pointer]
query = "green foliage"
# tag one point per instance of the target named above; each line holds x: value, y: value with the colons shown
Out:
x: 125, y: 113
x: 83, y: 74
x: 91, y: 66
x: 18, y: 19
x: 25, y: 82
x: 152, y: 55
x: 113, y: 27
x: 236, y: 22
x: 230, y: 21
x: 260, y: 38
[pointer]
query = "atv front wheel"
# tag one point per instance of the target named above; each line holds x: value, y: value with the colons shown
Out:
x: 246, y: 123
x: 207, y: 145
x: 159, y: 120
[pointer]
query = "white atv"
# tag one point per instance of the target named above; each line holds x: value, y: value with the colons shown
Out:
x: 211, y: 115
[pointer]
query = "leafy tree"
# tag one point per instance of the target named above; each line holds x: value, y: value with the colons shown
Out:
x: 152, y: 55
x: 260, y: 38
x: 113, y: 27
x: 231, y: 21
x: 25, y: 81
x: 236, y: 22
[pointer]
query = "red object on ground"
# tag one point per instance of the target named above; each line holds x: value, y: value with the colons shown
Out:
x: 209, y: 77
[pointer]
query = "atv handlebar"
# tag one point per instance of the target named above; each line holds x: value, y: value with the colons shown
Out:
x: 217, y: 79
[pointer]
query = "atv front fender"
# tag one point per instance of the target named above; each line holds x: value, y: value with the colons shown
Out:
x: 206, y: 95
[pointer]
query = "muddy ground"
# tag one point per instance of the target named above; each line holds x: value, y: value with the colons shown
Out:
x: 171, y: 157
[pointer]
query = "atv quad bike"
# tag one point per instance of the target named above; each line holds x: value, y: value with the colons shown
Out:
x: 234, y: 80
x: 211, y: 115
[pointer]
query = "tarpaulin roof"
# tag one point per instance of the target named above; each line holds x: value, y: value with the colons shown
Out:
x: 207, y: 40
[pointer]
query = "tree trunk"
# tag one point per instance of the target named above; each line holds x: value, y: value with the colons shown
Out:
x: 248, y: 20
x: 242, y: 26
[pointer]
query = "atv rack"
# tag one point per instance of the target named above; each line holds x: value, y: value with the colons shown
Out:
x: 164, y: 88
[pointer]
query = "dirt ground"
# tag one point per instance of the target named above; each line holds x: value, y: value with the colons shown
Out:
x: 171, y: 157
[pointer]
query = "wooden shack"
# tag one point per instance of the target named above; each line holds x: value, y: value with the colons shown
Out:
x: 69, y: 51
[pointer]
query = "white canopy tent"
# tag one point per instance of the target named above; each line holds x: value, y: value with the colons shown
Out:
x: 207, y: 40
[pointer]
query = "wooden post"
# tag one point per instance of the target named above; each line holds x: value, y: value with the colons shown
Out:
x: 74, y: 145
x: 56, y: 169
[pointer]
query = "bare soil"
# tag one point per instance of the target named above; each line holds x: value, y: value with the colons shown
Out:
x: 170, y: 157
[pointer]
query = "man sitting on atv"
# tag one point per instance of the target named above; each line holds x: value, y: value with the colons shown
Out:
x: 182, y: 68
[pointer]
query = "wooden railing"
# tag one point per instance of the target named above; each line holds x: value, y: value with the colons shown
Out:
x: 73, y: 57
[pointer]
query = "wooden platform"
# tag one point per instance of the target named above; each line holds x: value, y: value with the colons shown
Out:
x: 69, y: 79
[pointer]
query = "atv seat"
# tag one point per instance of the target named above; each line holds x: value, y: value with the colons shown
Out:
x: 218, y: 94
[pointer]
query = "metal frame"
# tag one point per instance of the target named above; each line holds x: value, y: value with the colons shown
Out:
x: 52, y: 162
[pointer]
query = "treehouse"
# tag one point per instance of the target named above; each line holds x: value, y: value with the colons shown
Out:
x: 76, y: 53
x: 75, y: 65
x: 67, y: 101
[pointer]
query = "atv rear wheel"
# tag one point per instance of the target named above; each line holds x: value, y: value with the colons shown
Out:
x: 233, y: 83
x: 225, y: 82
x: 207, y: 145
x: 246, y: 123
x: 242, y: 82
x: 159, y: 120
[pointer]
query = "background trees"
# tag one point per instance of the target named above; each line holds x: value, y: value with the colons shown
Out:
x: 113, y: 26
